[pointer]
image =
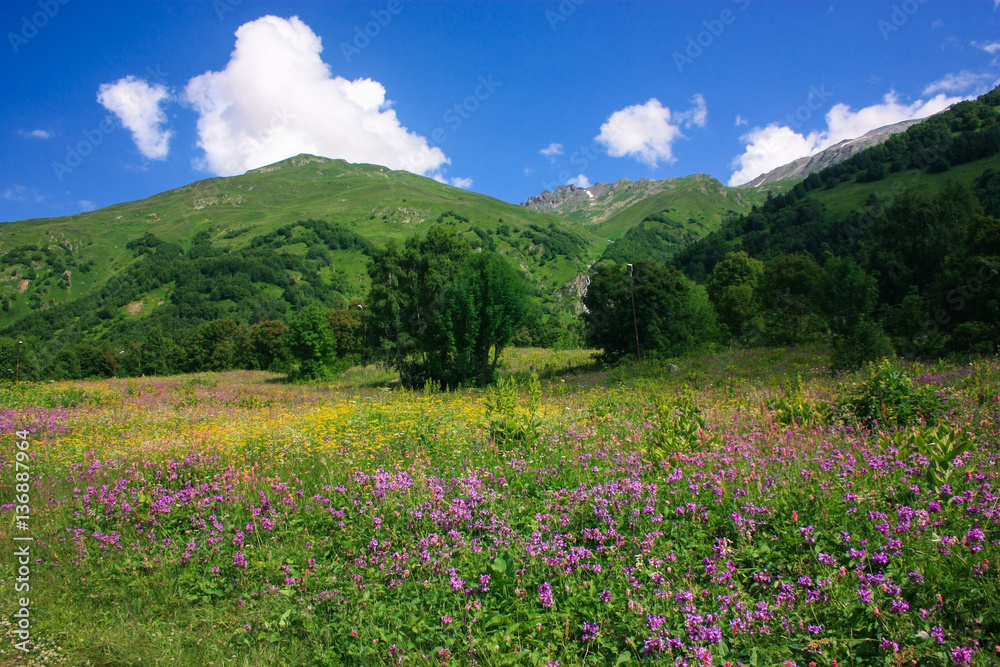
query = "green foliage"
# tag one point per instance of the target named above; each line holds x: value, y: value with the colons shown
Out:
x: 794, y: 408
x: 219, y: 346
x: 311, y: 344
x: 656, y: 239
x: 681, y: 427
x: 887, y: 397
x: 267, y: 343
x: 672, y: 314
x: 731, y: 288
x: 438, y: 312
x: 509, y: 419
x: 787, y: 295
x: 865, y: 342
x: 481, y: 312
x: 941, y: 445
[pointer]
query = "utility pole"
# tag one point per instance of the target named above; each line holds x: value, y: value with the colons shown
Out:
x: 17, y: 363
x: 635, y: 321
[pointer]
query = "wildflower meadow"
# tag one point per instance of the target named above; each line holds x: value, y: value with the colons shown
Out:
x: 746, y: 509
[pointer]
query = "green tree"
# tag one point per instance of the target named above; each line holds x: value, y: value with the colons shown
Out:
x: 482, y: 311
x: 267, y: 341
x: 672, y: 314
x: 731, y: 290
x: 403, y: 322
x: 311, y: 344
x: 220, y: 345
x: 787, y: 295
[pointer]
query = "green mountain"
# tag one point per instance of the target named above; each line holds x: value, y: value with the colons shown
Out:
x: 903, y: 236
x: 652, y: 220
x: 54, y: 262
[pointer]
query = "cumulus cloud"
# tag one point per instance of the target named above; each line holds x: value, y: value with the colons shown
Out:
x: 276, y: 98
x: 647, y: 131
x: 16, y: 193
x: 138, y: 105
x: 775, y: 145
x: 462, y: 182
x: 992, y: 48
x: 957, y: 83
x: 552, y: 149
x: 740, y: 120
x: 20, y: 193
x: 35, y: 134
x: 580, y: 181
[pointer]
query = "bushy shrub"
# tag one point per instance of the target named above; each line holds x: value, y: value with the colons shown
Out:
x: 887, y: 397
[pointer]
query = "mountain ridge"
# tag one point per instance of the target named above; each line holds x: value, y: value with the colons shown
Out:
x: 810, y: 164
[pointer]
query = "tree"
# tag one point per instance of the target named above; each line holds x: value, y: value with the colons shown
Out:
x: 220, y: 345
x: 267, y: 340
x: 311, y: 344
x: 403, y: 320
x: 731, y: 290
x: 482, y: 311
x: 346, y: 327
x: 672, y: 314
x: 787, y: 295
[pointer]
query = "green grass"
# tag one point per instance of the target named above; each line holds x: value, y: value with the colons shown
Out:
x: 726, y: 482
x: 847, y: 197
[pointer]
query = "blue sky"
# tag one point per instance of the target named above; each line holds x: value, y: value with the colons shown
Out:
x: 106, y: 102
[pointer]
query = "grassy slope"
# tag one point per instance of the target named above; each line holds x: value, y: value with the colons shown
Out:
x: 698, y: 202
x: 846, y: 197
x: 371, y: 200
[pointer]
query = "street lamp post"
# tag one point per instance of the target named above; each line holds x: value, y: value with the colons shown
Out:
x: 635, y: 321
x: 17, y: 363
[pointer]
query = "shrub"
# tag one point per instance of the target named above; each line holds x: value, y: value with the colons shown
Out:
x: 887, y: 398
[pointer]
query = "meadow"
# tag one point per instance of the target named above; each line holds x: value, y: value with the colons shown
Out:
x: 744, y: 509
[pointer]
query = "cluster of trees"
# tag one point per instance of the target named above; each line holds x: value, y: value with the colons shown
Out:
x: 909, y: 272
x: 437, y: 311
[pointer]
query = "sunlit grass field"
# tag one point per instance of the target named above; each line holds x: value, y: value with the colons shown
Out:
x: 747, y: 508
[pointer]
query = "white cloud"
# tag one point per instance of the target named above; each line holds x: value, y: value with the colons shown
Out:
x: 740, y: 120
x: 992, y: 48
x: 696, y: 115
x: 552, y: 149
x: 581, y: 181
x: 86, y: 205
x: 956, y: 83
x: 647, y: 131
x: 138, y: 106
x: 35, y: 134
x: 775, y: 145
x: 462, y: 182
x: 16, y: 193
x: 276, y: 98
x: 528, y: 171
